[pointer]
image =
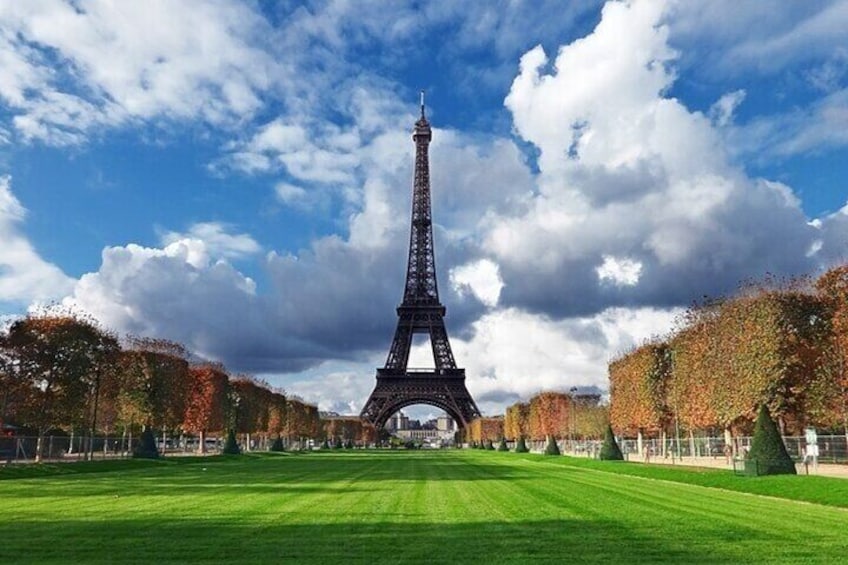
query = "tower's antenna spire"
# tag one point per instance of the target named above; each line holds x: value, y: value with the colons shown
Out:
x: 422, y: 103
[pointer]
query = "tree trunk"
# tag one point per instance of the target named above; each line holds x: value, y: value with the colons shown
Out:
x: 728, y: 442
x: 639, y: 446
x: 201, y: 449
x: 39, y: 444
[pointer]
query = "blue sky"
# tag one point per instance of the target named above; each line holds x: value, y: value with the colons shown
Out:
x: 236, y: 175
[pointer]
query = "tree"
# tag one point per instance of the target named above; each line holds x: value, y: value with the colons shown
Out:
x: 146, y: 448
x: 610, y: 450
x: 206, y: 402
x: 277, y: 413
x: 551, y: 447
x: 56, y: 361
x: 516, y: 421
x: 502, y: 445
x: 768, y: 452
x: 831, y: 390
x: 278, y: 445
x: 549, y: 416
x: 231, y: 446
x: 638, y: 382
x: 253, y: 401
x: 155, y: 379
x: 521, y: 446
x: 691, y: 390
x: 482, y: 430
x: 591, y: 417
x: 303, y: 421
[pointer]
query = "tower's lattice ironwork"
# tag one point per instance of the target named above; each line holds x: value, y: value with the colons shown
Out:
x: 399, y: 386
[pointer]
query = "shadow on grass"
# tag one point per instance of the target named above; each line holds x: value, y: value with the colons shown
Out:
x: 142, y: 541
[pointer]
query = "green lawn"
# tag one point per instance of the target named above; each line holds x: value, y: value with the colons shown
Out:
x: 426, y: 506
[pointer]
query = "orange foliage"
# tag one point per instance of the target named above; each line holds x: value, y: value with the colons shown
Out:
x: 638, y: 384
x: 207, y: 398
x: 349, y: 428
x: 486, y: 429
x: 832, y: 390
x: 302, y: 420
x: 760, y: 347
x: 516, y: 421
x: 550, y: 414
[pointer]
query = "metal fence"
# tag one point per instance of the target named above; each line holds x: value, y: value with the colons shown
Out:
x: 76, y: 448
x: 832, y: 448
x: 56, y: 448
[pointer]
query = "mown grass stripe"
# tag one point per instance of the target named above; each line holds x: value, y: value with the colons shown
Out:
x: 400, y: 507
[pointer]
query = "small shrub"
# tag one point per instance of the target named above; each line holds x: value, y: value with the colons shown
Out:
x: 521, y: 446
x: 278, y: 445
x: 489, y: 445
x: 231, y: 446
x: 337, y: 443
x: 551, y: 448
x: 325, y: 444
x: 502, y: 445
x: 349, y: 444
x: 767, y: 448
x: 146, y: 448
x: 610, y: 450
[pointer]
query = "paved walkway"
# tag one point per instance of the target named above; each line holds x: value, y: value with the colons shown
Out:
x: 823, y: 469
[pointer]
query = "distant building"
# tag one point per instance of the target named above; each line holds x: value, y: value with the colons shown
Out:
x: 398, y: 422
x: 445, y: 424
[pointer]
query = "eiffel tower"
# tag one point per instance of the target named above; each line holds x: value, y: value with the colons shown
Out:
x: 399, y: 386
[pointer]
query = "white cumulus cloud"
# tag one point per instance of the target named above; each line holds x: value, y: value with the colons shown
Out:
x: 481, y: 277
x: 24, y: 275
x: 621, y: 272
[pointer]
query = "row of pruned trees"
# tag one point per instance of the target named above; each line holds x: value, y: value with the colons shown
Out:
x: 60, y: 370
x: 555, y: 415
x: 783, y: 346
x: 348, y: 431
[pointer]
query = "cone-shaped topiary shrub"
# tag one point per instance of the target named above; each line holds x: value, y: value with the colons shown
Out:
x: 610, y: 450
x: 231, y: 446
x: 552, y: 448
x: 325, y: 445
x: 521, y: 446
x: 502, y: 445
x: 349, y: 444
x: 489, y: 445
x: 278, y: 445
x: 768, y: 452
x: 146, y: 448
x: 337, y: 443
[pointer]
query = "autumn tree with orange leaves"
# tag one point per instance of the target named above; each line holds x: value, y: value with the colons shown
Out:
x: 348, y: 430
x: 517, y: 421
x: 638, y: 383
x: 54, y: 363
x: 302, y: 422
x: 549, y: 415
x: 155, y: 383
x: 206, y: 401
x: 482, y: 430
x: 831, y: 391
